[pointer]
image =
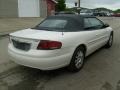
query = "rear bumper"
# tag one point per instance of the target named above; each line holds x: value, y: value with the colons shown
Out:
x: 41, y: 60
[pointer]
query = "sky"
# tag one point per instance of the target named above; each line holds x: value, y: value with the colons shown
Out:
x: 110, y: 4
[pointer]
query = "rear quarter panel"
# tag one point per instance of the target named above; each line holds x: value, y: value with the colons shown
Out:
x: 71, y: 40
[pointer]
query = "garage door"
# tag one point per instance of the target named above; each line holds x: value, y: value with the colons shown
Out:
x: 28, y: 8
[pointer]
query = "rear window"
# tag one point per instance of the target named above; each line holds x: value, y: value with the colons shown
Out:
x: 53, y: 24
x: 59, y: 24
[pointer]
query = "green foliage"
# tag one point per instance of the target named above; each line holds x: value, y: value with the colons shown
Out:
x: 61, y: 6
x: 68, y: 9
x: 117, y: 11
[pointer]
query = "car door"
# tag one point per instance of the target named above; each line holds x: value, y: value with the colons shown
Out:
x: 101, y: 31
x: 97, y: 34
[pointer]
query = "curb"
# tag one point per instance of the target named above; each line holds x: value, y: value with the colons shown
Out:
x: 4, y: 34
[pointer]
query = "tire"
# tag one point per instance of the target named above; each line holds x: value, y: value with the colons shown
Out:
x: 77, y: 61
x: 110, y: 41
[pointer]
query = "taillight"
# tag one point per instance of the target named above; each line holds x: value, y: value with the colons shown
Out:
x: 49, y: 45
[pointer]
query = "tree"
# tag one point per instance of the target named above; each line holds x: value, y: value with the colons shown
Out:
x: 117, y: 11
x: 61, y: 6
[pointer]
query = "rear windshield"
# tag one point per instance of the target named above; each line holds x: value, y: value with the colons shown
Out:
x: 53, y: 24
x: 58, y: 24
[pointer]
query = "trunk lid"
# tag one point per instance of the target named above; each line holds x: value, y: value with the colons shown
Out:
x: 37, y: 34
x: 29, y: 38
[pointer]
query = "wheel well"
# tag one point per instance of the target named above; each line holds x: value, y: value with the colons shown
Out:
x: 84, y: 46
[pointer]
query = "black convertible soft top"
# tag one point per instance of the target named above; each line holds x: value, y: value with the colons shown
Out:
x: 78, y: 18
x: 75, y: 22
x: 71, y: 16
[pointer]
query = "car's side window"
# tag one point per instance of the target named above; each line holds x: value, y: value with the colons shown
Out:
x: 97, y: 24
x: 92, y: 24
x: 87, y: 24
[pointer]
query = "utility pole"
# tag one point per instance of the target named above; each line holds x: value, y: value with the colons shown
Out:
x: 78, y: 3
x: 79, y: 6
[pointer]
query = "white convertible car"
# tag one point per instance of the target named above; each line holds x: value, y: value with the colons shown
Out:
x: 59, y: 41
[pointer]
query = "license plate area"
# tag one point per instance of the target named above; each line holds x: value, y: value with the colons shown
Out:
x: 21, y: 45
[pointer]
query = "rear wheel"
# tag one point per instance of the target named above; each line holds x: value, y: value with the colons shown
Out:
x: 110, y: 41
x: 77, y: 61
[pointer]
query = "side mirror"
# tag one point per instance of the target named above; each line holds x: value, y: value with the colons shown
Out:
x: 106, y: 25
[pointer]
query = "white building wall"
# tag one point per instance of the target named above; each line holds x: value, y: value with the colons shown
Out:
x: 28, y: 8
x: 43, y: 8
